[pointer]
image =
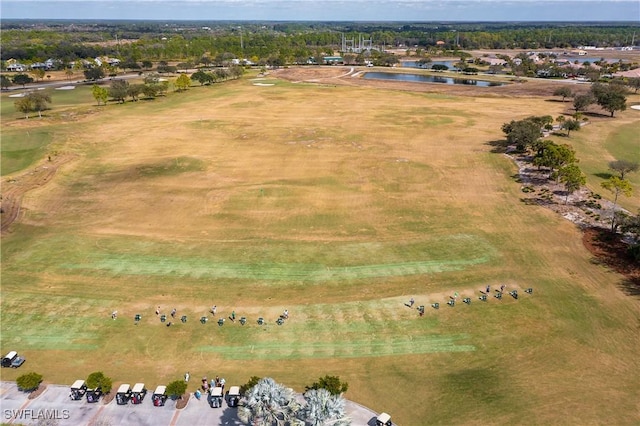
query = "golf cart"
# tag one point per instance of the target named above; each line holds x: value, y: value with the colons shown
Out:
x: 159, y: 396
x: 138, y: 393
x: 233, y: 397
x: 93, y: 395
x: 78, y: 389
x: 124, y: 394
x: 215, y: 397
x: 383, y: 420
x: 12, y: 360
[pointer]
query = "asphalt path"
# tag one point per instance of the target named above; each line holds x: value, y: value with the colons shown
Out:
x: 54, y: 403
x: 59, y: 83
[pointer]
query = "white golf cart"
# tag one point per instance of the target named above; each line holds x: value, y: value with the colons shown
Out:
x: 78, y: 389
x: 216, y: 397
x: 159, y: 396
x: 383, y: 420
x: 138, y: 393
x: 124, y: 394
x: 233, y: 397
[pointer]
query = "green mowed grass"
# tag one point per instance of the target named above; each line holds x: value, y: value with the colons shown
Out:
x: 600, y: 143
x: 20, y: 150
x: 338, y: 204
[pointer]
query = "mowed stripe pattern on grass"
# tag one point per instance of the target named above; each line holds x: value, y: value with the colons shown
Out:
x: 201, y: 268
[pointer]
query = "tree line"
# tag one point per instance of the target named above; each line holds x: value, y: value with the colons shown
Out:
x: 160, y: 41
x: 561, y: 163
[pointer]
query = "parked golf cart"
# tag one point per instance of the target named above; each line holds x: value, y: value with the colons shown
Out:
x: 384, y: 420
x: 12, y: 360
x: 138, y: 393
x: 78, y: 389
x: 215, y: 397
x: 93, y: 395
x: 233, y: 397
x: 124, y: 394
x: 159, y: 396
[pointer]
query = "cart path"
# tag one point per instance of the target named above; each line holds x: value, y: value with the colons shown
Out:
x: 14, y: 187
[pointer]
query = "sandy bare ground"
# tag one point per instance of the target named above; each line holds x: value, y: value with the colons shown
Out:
x: 345, y: 76
x: 14, y: 188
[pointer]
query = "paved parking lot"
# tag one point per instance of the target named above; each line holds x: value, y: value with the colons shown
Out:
x: 54, y: 403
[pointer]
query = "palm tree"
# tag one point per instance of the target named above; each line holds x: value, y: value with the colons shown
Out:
x: 269, y: 403
x: 323, y: 409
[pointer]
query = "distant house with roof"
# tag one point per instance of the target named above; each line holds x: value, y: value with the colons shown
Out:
x: 114, y: 62
x: 495, y: 61
x: 333, y: 60
x: 16, y: 67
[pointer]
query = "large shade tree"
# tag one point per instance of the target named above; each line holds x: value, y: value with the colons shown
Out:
x: 582, y: 102
x: 564, y: 92
x: 269, y: 403
x: 622, y: 167
x: 22, y: 79
x: 119, y: 90
x: 523, y: 134
x: 611, y: 97
x: 34, y: 101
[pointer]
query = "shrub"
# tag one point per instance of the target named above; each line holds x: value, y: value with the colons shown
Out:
x: 251, y: 383
x: 99, y: 380
x: 330, y: 383
x: 176, y: 389
x: 29, y: 382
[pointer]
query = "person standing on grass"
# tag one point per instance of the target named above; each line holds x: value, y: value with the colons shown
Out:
x: 411, y: 302
x: 186, y: 377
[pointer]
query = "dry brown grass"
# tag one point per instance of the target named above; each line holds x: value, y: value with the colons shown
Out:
x: 306, y: 171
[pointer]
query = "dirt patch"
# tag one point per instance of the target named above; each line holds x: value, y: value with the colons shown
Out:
x: 609, y: 249
x: 14, y: 188
x: 352, y: 76
x: 582, y: 207
x: 36, y: 393
x: 183, y: 401
x: 107, y: 398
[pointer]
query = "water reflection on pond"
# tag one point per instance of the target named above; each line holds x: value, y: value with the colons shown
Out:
x: 429, y: 79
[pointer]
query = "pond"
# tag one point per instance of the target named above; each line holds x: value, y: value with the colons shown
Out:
x: 429, y: 79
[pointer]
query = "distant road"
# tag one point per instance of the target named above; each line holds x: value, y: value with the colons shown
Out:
x: 57, y: 83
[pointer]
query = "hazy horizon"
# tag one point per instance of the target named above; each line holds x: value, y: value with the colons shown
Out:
x: 326, y: 10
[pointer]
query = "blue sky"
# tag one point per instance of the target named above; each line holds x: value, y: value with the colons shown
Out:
x: 326, y: 10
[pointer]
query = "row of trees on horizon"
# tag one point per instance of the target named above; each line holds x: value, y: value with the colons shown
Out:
x: 138, y: 41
